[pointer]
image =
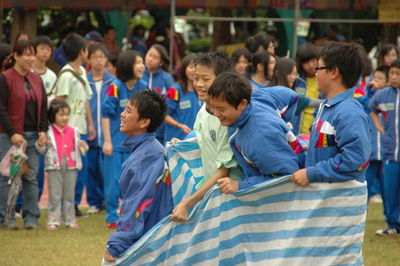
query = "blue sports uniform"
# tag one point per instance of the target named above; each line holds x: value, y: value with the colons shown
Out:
x: 146, y: 189
x: 340, y: 142
x: 182, y: 107
x: 114, y: 103
x: 95, y: 179
x: 387, y: 102
x: 270, y: 155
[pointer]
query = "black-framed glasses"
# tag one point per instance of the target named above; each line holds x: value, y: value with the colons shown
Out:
x: 320, y: 68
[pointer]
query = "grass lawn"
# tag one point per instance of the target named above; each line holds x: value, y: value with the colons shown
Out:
x: 85, y: 246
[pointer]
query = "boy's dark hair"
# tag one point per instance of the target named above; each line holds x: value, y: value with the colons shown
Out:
x: 72, y: 45
x: 97, y: 47
x: 55, y: 106
x: 163, y: 55
x: 241, y: 52
x: 284, y: 66
x: 233, y: 87
x: 305, y: 53
x: 260, y: 39
x: 396, y: 64
x: 384, y: 70
x: 43, y: 40
x: 346, y: 57
x: 125, y: 63
x: 217, y: 61
x: 261, y: 57
x: 150, y: 105
x: 182, y: 78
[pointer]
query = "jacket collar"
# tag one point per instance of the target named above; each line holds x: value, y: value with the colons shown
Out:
x: 106, y: 78
x: 134, y: 141
x: 242, y: 120
x: 340, y: 97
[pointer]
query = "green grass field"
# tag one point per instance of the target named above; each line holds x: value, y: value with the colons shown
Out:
x: 85, y: 246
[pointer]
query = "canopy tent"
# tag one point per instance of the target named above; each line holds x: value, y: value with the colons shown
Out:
x: 134, y: 4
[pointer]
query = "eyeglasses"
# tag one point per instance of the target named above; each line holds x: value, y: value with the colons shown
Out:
x: 320, y: 68
x: 97, y: 57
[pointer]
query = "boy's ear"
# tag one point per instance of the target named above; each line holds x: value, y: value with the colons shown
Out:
x: 260, y: 67
x: 335, y: 73
x: 144, y: 123
x: 242, y: 105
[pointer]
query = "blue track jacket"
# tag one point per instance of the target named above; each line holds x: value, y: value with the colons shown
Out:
x: 340, y: 142
x: 259, y: 142
x: 146, y: 190
x: 95, y: 106
x: 282, y: 99
x: 386, y: 102
x: 115, y: 100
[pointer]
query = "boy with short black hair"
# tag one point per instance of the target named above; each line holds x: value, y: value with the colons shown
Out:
x: 73, y: 87
x: 144, y: 183
x: 340, y: 143
x: 387, y: 102
x: 216, y: 155
x: 44, y: 48
x: 257, y: 134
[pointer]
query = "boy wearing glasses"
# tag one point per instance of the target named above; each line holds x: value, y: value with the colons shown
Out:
x: 340, y: 142
x: 99, y: 80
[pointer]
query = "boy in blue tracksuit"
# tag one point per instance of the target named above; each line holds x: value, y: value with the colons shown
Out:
x: 257, y: 134
x: 387, y: 102
x: 99, y: 80
x: 144, y: 182
x: 117, y: 95
x: 340, y: 142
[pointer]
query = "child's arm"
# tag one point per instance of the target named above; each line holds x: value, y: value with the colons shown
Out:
x: 89, y: 119
x: 180, y: 213
x: 107, y: 146
x: 377, y: 122
x: 169, y: 120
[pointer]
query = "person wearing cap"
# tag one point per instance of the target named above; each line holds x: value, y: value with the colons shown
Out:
x: 93, y: 37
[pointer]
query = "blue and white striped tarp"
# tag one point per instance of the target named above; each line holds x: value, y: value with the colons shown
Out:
x: 185, y: 168
x: 273, y: 223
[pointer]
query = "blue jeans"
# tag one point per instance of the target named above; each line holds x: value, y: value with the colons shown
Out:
x: 30, y: 208
x: 112, y: 174
x: 391, y: 193
x: 94, y: 181
x: 82, y: 175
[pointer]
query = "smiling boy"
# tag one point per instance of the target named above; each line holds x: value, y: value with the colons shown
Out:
x: 146, y: 196
x: 257, y: 134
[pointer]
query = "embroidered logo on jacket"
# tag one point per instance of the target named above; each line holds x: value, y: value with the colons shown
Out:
x: 327, y: 134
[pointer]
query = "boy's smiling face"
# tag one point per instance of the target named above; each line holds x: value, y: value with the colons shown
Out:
x: 225, y: 112
x: 204, y: 77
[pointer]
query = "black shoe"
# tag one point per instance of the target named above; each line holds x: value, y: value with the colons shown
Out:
x: 78, y: 212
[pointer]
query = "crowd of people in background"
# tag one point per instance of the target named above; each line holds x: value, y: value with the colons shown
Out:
x: 70, y: 121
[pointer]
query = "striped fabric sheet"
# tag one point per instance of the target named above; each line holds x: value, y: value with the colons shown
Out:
x: 273, y: 223
x: 185, y: 168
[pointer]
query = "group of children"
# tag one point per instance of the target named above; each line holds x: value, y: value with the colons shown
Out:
x: 244, y: 139
x: 104, y: 128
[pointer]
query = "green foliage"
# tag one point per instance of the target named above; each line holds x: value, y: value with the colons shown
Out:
x: 146, y: 21
x: 199, y: 45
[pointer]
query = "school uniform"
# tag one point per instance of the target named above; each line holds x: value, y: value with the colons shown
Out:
x: 387, y: 102
x: 340, y: 142
x: 146, y: 188
x: 182, y: 107
x: 114, y: 102
x: 259, y: 141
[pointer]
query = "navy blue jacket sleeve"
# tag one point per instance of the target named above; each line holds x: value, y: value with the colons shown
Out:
x: 137, y: 203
